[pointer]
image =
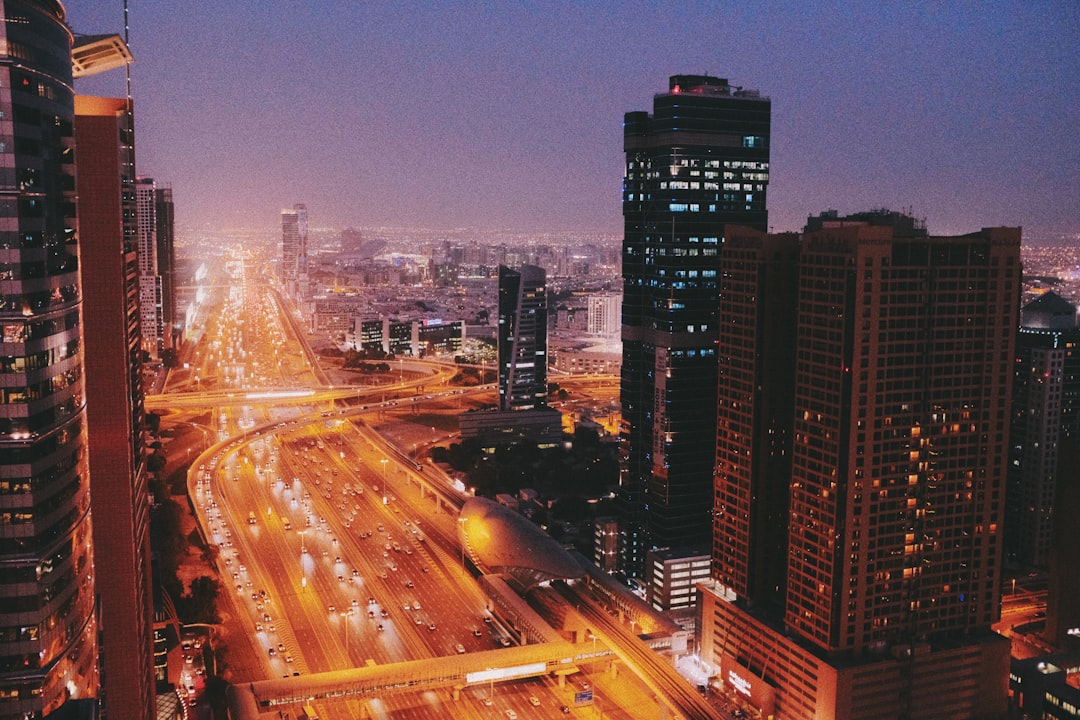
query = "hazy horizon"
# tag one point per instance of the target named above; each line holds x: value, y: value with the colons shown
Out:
x: 486, y: 117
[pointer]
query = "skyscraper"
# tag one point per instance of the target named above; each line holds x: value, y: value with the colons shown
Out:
x: 698, y: 162
x: 859, y: 578
x: 294, y: 231
x: 1046, y: 409
x: 48, y: 628
x: 604, y: 318
x: 112, y: 270
x: 150, y: 294
x: 164, y: 214
x: 522, y: 338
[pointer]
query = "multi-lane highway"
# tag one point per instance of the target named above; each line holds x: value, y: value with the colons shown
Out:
x: 336, y: 549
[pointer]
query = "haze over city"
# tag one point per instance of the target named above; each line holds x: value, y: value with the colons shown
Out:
x: 509, y: 116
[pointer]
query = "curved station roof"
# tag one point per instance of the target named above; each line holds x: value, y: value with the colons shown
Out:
x: 500, y: 540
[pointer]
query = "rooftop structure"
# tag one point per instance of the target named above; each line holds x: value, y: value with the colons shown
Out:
x: 503, y: 541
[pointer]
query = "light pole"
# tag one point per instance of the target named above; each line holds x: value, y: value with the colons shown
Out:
x: 384, y: 461
x: 303, y: 548
x: 345, y: 619
x: 462, y: 521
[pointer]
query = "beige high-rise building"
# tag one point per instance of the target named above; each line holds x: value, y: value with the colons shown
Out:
x: 860, y: 477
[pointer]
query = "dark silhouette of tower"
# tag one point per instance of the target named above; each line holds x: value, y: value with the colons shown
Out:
x: 698, y: 162
x: 1045, y: 411
x: 522, y: 338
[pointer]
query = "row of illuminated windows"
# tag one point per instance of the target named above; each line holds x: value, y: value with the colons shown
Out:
x: 40, y: 302
x: 696, y: 207
x: 695, y: 185
x: 40, y: 390
x: 19, y: 332
x: 24, y: 485
x: 39, y: 360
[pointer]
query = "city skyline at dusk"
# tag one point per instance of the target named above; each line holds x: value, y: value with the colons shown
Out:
x: 510, y: 117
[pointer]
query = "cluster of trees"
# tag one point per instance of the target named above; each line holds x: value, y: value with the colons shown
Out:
x: 170, y: 545
x: 354, y: 360
x: 585, y: 469
x: 471, y: 377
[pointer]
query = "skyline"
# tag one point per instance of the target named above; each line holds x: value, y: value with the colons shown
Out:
x: 512, y: 119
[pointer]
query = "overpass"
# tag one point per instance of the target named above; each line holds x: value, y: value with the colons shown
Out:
x: 247, y: 702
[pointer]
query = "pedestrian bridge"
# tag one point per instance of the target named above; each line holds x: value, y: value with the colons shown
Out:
x: 559, y: 658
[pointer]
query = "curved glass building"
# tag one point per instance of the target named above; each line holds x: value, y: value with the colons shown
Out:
x: 48, y: 632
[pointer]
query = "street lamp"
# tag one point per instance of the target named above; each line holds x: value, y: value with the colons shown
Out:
x: 303, y: 548
x: 462, y: 521
x: 345, y: 619
x: 384, y: 461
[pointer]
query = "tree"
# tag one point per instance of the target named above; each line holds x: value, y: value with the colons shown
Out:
x: 165, y: 536
x: 200, y: 605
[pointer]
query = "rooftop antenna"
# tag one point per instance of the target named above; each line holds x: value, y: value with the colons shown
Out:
x: 127, y: 66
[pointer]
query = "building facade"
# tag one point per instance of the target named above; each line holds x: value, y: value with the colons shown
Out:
x: 294, y: 237
x: 164, y: 215
x: 48, y: 624
x: 698, y: 162
x: 1046, y: 409
x: 111, y: 247
x: 151, y: 301
x: 522, y: 338
x: 673, y: 577
x: 899, y: 367
x: 605, y: 317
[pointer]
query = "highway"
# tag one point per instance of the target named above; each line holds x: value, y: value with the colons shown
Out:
x: 336, y: 550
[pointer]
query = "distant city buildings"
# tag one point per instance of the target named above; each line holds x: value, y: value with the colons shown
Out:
x: 859, y: 499
x: 413, y: 338
x: 699, y: 161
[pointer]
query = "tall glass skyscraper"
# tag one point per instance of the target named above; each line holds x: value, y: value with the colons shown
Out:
x: 522, y: 338
x: 698, y: 162
x: 294, y: 235
x: 48, y: 631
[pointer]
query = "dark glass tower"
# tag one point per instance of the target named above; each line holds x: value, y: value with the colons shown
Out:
x: 698, y: 162
x: 522, y: 338
x: 1045, y: 411
x: 164, y: 213
x: 48, y: 631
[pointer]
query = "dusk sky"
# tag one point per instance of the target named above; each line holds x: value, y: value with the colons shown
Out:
x: 508, y: 115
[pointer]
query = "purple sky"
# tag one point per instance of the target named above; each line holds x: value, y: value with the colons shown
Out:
x: 508, y: 115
